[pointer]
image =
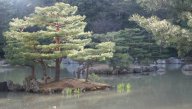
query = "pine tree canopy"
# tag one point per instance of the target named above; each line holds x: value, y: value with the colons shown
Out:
x: 100, y: 52
x: 58, y: 24
x: 168, y: 34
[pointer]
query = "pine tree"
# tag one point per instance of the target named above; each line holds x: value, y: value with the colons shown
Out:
x: 93, y: 53
x: 19, y: 43
x: 166, y: 33
x: 64, y: 27
x: 50, y: 33
x: 132, y: 43
x: 140, y: 44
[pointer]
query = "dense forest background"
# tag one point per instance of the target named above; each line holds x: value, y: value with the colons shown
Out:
x: 111, y: 18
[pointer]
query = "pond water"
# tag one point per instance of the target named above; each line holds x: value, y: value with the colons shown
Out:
x: 173, y: 90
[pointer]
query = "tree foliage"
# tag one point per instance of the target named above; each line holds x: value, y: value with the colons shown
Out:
x: 106, y: 15
x: 166, y: 33
x: 131, y: 44
x: 50, y: 32
x: 154, y: 5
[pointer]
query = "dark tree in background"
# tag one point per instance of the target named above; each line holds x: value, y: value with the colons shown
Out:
x: 107, y: 15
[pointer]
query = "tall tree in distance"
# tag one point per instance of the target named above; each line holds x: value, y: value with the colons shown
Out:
x: 6, y: 14
x: 106, y: 15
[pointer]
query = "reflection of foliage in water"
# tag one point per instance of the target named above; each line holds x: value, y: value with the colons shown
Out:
x: 69, y: 92
x: 123, y: 87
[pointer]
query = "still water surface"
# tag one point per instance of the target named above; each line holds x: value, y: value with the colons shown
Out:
x: 173, y: 90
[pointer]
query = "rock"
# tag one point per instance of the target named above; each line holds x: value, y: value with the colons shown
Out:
x: 124, y: 71
x: 173, y: 60
x: 115, y: 72
x: 31, y: 84
x: 145, y: 69
x: 14, y: 87
x: 161, y: 61
x: 103, y: 69
x: 187, y: 67
x: 3, y: 87
x: 154, y: 67
x: 161, y: 66
x: 149, y: 68
x: 137, y: 69
x: 142, y: 69
x: 10, y: 86
x: 174, y: 66
x: 129, y: 70
x: 160, y: 70
x: 3, y: 63
x: 187, y: 73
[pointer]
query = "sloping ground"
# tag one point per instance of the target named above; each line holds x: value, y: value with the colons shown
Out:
x: 58, y: 87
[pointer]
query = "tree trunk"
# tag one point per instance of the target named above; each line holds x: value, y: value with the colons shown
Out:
x: 161, y: 46
x: 78, y: 73
x: 44, y: 70
x: 43, y: 67
x: 57, y: 69
x: 33, y: 71
x: 87, y: 73
x: 58, y: 60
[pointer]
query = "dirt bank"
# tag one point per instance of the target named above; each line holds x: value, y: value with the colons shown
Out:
x: 57, y: 87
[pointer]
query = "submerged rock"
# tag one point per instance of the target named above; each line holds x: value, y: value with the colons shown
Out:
x: 115, y: 72
x: 161, y: 61
x: 3, y: 63
x: 160, y: 70
x: 10, y: 86
x: 143, y: 69
x: 187, y: 67
x: 149, y: 68
x: 173, y: 60
x: 14, y: 87
x: 3, y: 87
x: 137, y: 69
x: 187, y: 73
